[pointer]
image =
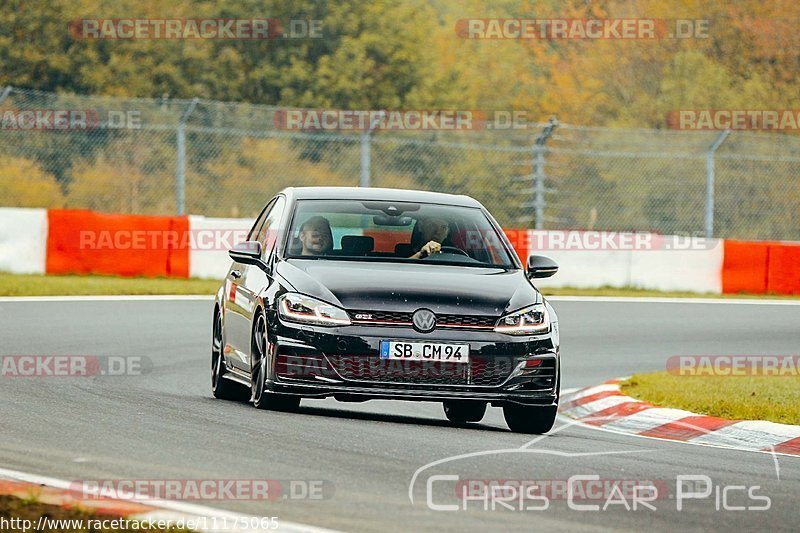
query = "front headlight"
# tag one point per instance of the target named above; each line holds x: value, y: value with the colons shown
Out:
x: 300, y: 308
x: 528, y: 321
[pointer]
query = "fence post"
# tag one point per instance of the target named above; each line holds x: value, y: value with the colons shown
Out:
x: 709, y: 219
x: 538, y: 171
x: 366, y: 154
x: 366, y: 159
x: 180, y: 185
x: 5, y: 93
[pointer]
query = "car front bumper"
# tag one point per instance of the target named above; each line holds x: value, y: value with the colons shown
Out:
x: 344, y: 362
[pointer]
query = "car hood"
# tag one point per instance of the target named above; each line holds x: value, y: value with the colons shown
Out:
x: 373, y: 286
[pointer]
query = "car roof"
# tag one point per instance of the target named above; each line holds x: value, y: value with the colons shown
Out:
x: 377, y: 193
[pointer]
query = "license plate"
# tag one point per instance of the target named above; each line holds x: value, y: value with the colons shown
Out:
x: 425, y: 351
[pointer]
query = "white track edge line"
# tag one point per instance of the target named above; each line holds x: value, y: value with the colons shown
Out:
x: 707, y: 445
x: 181, y: 507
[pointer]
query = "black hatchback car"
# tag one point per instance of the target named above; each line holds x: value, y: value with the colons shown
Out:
x: 367, y: 293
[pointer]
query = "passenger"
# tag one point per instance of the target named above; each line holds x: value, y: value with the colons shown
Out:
x: 433, y: 232
x: 316, y: 236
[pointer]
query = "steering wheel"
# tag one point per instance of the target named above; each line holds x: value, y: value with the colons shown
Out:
x: 453, y: 250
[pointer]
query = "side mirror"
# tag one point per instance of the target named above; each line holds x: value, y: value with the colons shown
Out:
x: 540, y: 266
x: 247, y: 253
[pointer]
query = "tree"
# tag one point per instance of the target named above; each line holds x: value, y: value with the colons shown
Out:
x: 23, y: 183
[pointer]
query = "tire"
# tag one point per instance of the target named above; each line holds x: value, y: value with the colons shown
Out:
x: 530, y: 419
x: 221, y: 388
x: 261, y: 398
x: 464, y: 411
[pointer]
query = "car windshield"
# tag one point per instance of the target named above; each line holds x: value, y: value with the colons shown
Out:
x: 395, y: 232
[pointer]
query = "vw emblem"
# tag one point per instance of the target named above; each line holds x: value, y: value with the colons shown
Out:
x: 424, y: 320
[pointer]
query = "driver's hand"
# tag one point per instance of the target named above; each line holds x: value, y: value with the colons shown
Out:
x: 432, y: 247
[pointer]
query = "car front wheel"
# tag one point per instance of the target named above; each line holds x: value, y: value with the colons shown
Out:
x: 261, y: 398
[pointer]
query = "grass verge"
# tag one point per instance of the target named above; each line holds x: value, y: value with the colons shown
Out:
x: 37, y: 285
x: 15, y: 511
x: 772, y: 398
x: 52, y: 285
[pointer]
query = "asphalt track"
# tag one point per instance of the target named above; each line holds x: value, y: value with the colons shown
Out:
x: 166, y: 425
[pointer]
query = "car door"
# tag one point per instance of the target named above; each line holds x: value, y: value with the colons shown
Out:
x: 237, y: 326
x: 254, y: 279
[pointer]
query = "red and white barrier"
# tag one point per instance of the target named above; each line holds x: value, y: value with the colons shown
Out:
x: 23, y: 240
x: 213, y: 237
x: 671, y: 267
x: 85, y: 242
x: 82, y: 242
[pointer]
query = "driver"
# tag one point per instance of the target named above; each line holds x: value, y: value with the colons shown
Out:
x: 433, y: 231
x: 316, y: 236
